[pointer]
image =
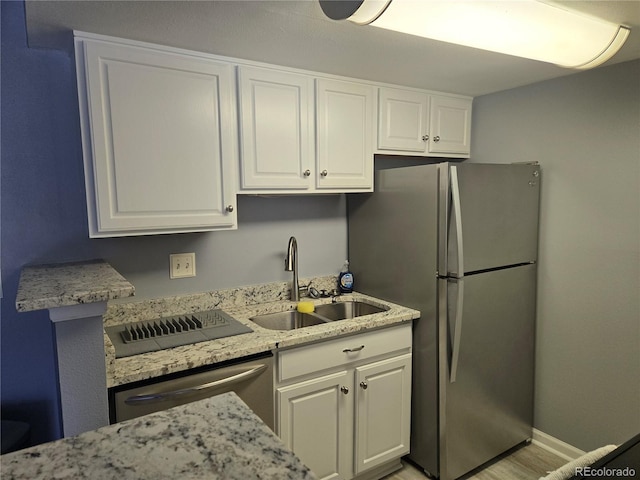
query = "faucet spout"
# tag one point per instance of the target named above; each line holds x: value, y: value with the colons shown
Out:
x: 291, y: 265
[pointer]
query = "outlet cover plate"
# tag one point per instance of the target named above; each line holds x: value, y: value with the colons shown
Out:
x: 182, y: 265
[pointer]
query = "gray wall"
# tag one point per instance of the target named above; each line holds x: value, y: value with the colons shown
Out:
x: 585, y: 132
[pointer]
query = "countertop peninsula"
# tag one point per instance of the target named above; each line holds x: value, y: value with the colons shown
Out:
x: 43, y: 287
x: 215, y: 438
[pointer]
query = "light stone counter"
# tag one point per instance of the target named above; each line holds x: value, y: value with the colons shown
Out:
x: 241, y: 303
x: 44, y: 287
x: 215, y: 438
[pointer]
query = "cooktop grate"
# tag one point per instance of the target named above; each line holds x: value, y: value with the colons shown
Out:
x: 168, y: 332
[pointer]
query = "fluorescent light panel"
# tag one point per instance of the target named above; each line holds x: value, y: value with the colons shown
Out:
x: 524, y: 28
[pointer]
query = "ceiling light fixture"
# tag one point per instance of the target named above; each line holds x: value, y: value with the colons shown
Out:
x: 524, y: 28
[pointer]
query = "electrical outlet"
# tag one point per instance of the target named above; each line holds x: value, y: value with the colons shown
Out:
x: 182, y: 265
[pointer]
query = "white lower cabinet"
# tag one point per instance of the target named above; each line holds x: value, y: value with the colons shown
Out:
x: 383, y: 411
x: 315, y: 422
x: 344, y: 406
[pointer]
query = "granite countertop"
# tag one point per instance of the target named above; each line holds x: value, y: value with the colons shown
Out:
x: 242, y: 304
x: 49, y: 286
x: 215, y: 438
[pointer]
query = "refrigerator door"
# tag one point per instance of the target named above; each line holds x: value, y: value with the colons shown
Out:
x: 393, y: 242
x: 486, y: 382
x: 493, y: 218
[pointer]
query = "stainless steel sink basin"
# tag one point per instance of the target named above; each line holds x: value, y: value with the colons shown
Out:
x: 330, y: 312
x: 287, y: 320
x: 345, y: 310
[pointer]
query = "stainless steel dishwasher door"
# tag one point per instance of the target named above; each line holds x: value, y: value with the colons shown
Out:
x: 251, y: 380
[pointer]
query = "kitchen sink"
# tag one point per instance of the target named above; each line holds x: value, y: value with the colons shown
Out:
x: 287, y: 320
x: 345, y: 310
x: 330, y: 312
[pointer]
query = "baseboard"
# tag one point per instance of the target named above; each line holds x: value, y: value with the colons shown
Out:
x: 553, y: 445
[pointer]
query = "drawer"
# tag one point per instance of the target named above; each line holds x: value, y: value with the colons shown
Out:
x: 342, y: 351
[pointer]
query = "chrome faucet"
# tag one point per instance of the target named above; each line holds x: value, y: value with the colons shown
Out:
x: 291, y: 265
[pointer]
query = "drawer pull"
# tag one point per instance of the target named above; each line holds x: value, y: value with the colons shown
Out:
x: 350, y: 350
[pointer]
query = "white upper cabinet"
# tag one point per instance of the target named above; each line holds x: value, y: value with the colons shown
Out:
x: 403, y: 120
x: 450, y: 126
x: 170, y: 136
x: 159, y: 139
x: 414, y: 122
x: 276, y: 129
x: 293, y: 144
x: 345, y: 135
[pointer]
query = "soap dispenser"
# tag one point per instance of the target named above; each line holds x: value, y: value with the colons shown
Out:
x: 345, y: 279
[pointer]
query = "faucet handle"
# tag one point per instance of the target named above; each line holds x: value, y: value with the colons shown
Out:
x: 313, y: 292
x: 304, y: 289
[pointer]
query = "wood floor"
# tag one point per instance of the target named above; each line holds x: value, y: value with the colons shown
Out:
x: 529, y: 462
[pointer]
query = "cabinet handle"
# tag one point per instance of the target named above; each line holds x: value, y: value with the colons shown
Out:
x: 344, y: 389
x: 364, y: 385
x: 324, y: 173
x: 357, y: 349
x: 307, y: 173
x: 229, y: 208
x: 436, y: 138
x: 425, y: 138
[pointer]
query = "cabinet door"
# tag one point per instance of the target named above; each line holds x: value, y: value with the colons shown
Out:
x: 276, y: 135
x: 316, y: 423
x: 159, y: 140
x: 344, y: 124
x: 383, y: 411
x: 450, y: 125
x: 402, y: 120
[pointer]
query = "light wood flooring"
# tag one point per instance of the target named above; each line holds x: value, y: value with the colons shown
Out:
x: 529, y: 462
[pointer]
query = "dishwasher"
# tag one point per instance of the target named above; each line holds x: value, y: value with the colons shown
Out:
x: 251, y: 378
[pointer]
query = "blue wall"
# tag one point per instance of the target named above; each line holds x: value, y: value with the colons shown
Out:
x: 44, y: 221
x: 39, y: 182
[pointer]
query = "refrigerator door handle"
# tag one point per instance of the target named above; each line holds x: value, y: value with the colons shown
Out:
x: 457, y: 331
x: 455, y: 197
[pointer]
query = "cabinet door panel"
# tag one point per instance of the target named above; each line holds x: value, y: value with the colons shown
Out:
x: 315, y: 422
x: 344, y: 135
x: 162, y: 151
x: 276, y: 134
x: 383, y: 411
x: 450, y: 125
x: 402, y: 120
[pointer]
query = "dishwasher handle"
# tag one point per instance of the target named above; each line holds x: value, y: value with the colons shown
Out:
x: 146, y: 399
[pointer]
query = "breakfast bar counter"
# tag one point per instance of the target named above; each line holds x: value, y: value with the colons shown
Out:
x: 215, y: 438
x: 44, y: 287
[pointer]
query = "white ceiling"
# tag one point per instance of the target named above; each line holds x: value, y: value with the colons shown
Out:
x: 296, y: 33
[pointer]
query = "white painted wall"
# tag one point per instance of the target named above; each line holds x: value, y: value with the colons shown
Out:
x: 585, y: 132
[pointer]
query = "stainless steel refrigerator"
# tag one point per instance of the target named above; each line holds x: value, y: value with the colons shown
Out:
x: 459, y: 243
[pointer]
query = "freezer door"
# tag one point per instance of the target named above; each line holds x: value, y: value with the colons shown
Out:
x: 487, y: 379
x: 495, y: 210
